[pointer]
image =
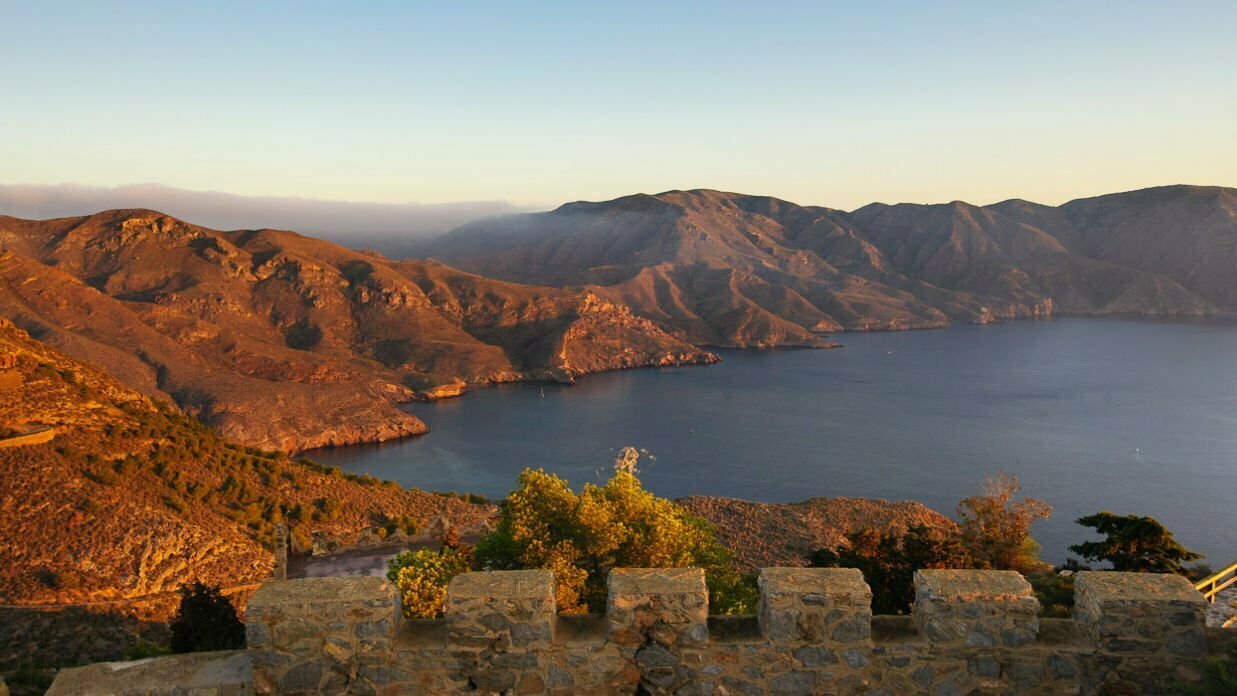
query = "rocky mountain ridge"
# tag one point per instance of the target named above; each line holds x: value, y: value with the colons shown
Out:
x: 735, y: 270
x: 287, y: 342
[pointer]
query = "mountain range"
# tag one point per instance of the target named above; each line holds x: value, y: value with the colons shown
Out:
x: 286, y: 342
x: 734, y: 270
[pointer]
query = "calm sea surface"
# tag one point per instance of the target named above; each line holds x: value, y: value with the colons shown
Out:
x: 1090, y: 414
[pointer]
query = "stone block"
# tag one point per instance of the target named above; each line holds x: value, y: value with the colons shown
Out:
x: 1141, y: 613
x: 976, y: 608
x: 306, y: 635
x: 501, y: 609
x: 221, y: 673
x: 815, y: 604
x: 301, y: 616
x: 669, y: 605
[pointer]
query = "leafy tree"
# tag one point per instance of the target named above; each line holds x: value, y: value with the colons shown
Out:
x: 206, y: 620
x: 544, y: 524
x: 996, y: 528
x: 1134, y: 543
x: 889, y: 562
x: 422, y: 577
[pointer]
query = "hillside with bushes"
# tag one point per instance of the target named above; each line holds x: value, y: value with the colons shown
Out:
x: 132, y: 498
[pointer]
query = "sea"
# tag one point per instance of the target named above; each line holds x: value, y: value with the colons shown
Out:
x: 1134, y: 416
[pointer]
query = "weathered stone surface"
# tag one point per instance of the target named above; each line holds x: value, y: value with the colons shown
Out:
x: 307, y: 635
x: 1141, y: 612
x: 977, y: 608
x: 967, y: 586
x: 815, y: 656
x: 978, y: 634
x: 669, y: 605
x: 793, y: 684
x: 813, y: 604
x: 505, y: 608
x: 217, y: 673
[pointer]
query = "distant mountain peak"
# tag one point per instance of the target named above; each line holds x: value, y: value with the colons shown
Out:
x: 734, y: 269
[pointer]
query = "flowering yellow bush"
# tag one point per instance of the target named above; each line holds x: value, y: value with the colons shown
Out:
x: 544, y: 524
x: 422, y: 577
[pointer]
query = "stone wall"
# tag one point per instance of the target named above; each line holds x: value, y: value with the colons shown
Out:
x: 225, y: 673
x: 36, y: 437
x: 969, y: 632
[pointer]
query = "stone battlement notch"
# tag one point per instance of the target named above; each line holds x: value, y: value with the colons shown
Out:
x: 815, y: 634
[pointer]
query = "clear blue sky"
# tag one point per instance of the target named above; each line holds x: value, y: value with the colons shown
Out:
x: 540, y: 102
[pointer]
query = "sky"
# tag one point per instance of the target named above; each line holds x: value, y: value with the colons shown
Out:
x: 538, y: 103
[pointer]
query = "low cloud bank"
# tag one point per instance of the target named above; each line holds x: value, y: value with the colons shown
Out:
x: 393, y: 228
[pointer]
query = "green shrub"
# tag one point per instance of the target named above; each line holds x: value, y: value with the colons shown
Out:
x: 888, y: 562
x: 582, y: 536
x: 1055, y: 593
x: 61, y: 579
x: 205, y: 620
x: 1134, y: 543
x: 422, y: 577
x: 144, y: 649
x: 401, y: 522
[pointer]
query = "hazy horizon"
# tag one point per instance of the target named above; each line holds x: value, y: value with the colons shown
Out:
x: 831, y: 104
x: 341, y: 221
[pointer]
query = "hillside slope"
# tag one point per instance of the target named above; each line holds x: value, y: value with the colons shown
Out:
x: 287, y: 342
x: 764, y: 535
x: 132, y: 499
x: 736, y: 270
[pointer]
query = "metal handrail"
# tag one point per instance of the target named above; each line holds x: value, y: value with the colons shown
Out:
x: 1212, y: 586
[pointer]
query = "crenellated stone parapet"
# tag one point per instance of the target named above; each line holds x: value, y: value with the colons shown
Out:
x: 1140, y: 624
x: 977, y: 609
x: 318, y: 635
x: 969, y: 632
x: 815, y: 605
x: 669, y: 606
